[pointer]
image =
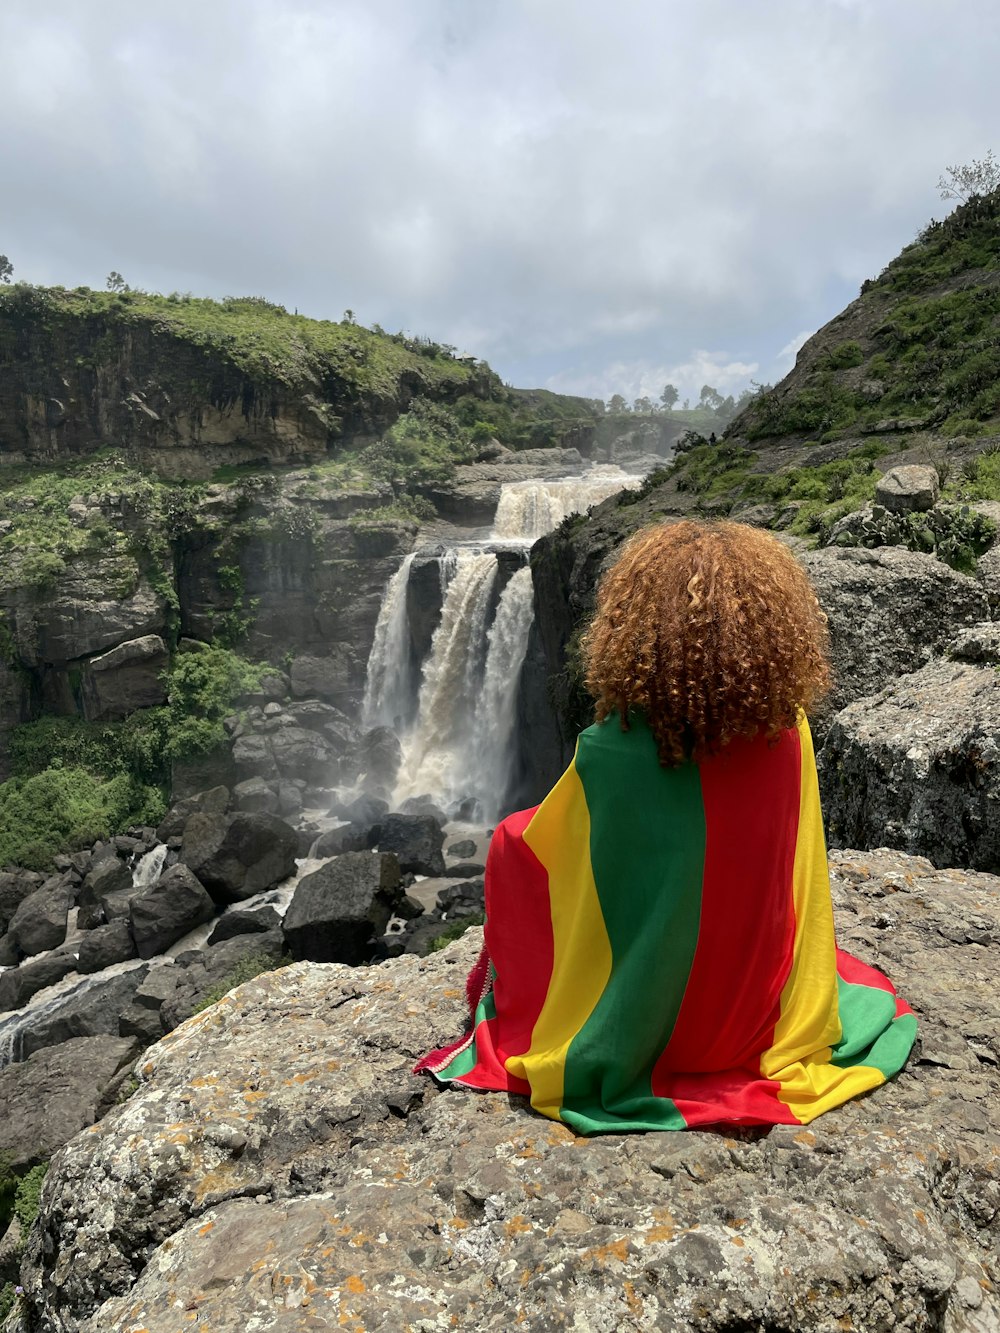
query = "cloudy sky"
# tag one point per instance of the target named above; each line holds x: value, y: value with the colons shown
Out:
x: 597, y: 197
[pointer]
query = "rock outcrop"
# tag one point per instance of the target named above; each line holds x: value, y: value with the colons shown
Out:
x: 917, y: 766
x: 280, y: 1168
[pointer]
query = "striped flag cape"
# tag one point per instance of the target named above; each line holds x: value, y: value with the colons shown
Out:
x: 660, y: 948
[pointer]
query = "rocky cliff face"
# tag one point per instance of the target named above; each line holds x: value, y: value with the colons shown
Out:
x: 280, y: 1168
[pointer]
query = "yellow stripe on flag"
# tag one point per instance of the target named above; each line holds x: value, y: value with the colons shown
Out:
x: 810, y: 1021
x: 559, y: 835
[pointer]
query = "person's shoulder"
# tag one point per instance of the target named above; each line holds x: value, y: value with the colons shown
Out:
x: 610, y: 734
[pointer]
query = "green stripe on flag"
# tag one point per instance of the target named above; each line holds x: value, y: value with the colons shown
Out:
x: 872, y: 1037
x: 647, y: 850
x: 465, y: 1061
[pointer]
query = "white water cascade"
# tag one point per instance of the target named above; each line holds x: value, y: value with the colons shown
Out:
x: 529, y: 509
x: 389, y: 687
x: 457, y: 730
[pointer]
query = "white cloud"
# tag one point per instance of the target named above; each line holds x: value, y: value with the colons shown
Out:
x: 794, y: 345
x: 582, y: 189
x: 641, y: 379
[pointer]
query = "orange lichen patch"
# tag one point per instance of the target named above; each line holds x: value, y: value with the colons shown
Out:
x: 147, y: 1069
x: 362, y: 1238
x: 252, y: 1096
x: 332, y: 1066
x: 203, y: 1231
x: 632, y: 1300
x: 863, y: 1222
x: 806, y: 1137
x: 305, y: 1077
x: 204, y: 1081
x: 355, y: 1285
x: 921, y: 1216
x: 528, y: 1151
x: 845, y: 1321
x: 214, y: 1182
x: 654, y: 1234
x: 615, y: 1249
x: 457, y: 1223
x: 737, y: 1240
x: 517, y: 1225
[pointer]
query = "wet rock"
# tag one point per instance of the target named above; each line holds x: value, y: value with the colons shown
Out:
x: 908, y: 489
x: 215, y: 801
x: 175, y: 905
x: 321, y: 677
x: 19, y: 984
x: 918, y: 767
x: 15, y: 886
x: 242, y: 1144
x: 128, y: 677
x: 238, y: 855
x: 54, y: 1094
x: 465, y: 847
x: 105, y: 945
x: 39, y: 923
x: 363, y: 809
x: 254, y: 921
x: 290, y: 800
x: 109, y: 878
x: 416, y: 841
x: 141, y: 1017
x: 255, y: 794
x: 253, y: 758
x: 341, y: 909
x: 347, y: 838
x: 91, y: 1009
x: 461, y: 899
x: 377, y: 760
x: 423, y: 805
x: 466, y: 869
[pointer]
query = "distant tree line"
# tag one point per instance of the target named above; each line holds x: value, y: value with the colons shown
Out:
x: 709, y: 400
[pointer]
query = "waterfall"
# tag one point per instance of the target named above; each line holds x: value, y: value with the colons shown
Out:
x: 457, y: 732
x: 149, y: 868
x: 453, y: 677
x: 389, y: 687
x: 488, y: 758
x: 529, y: 509
x: 48, y: 1003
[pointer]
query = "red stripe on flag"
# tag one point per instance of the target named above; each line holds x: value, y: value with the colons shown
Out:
x: 857, y: 973
x: 750, y: 793
x: 518, y: 936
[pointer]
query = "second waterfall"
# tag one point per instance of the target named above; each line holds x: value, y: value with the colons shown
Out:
x: 453, y: 703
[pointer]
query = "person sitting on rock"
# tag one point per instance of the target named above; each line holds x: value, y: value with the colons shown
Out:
x: 659, y: 940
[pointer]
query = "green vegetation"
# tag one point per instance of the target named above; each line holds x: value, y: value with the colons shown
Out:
x: 927, y: 350
x: 75, y: 781
x: 19, y: 1193
x: 455, y: 931
x: 245, y: 970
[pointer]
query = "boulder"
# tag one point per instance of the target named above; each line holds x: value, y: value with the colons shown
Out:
x: 255, y: 794
x: 141, y: 1017
x: 19, y: 984
x: 90, y: 1009
x: 347, y: 838
x: 341, y: 909
x: 423, y: 805
x: 918, y: 767
x: 890, y: 611
x: 15, y: 886
x: 415, y: 840
x: 978, y: 643
x: 128, y: 677
x: 285, y: 1126
x: 377, y: 760
x: 465, y: 899
x: 54, y: 1094
x: 238, y: 855
x: 108, y: 878
x: 253, y: 758
x: 290, y: 800
x: 911, y: 488
x: 462, y: 849
x: 254, y: 921
x: 363, y: 809
x: 215, y: 801
x: 210, y: 972
x: 105, y: 945
x: 39, y: 923
x: 167, y: 912
x: 304, y: 754
x: 465, y: 869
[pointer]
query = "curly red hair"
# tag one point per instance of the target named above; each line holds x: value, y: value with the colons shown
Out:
x: 713, y: 630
